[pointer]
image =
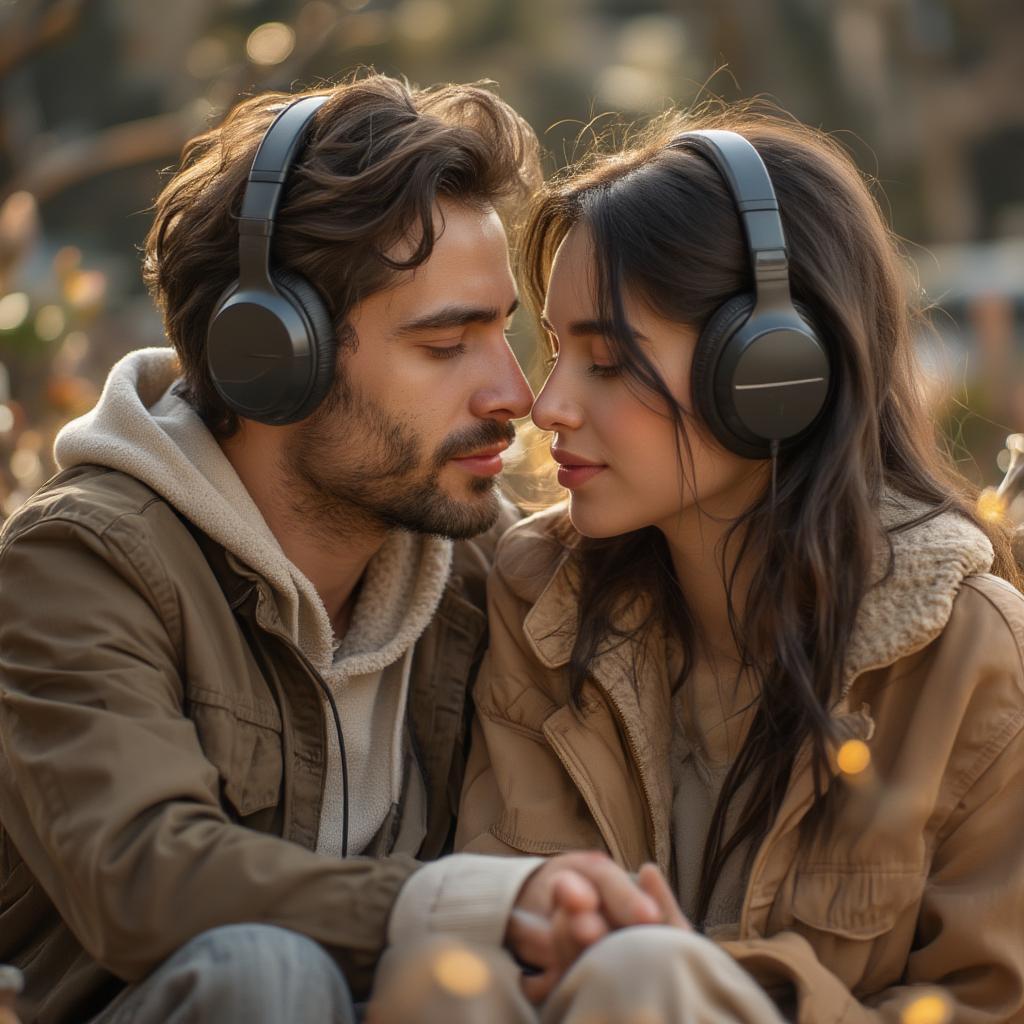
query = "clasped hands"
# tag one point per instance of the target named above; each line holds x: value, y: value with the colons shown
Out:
x: 573, y: 901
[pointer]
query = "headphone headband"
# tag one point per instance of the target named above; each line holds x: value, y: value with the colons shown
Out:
x: 760, y: 375
x: 274, y: 157
x: 740, y: 164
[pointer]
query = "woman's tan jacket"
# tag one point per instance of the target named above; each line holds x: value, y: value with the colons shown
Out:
x: 919, y: 883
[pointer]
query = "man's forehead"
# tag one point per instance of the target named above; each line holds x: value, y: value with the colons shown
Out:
x: 455, y: 225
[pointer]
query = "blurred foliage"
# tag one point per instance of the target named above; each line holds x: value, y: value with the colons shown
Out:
x: 96, y: 98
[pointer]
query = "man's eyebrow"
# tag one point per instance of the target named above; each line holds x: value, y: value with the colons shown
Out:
x: 453, y: 316
x: 589, y: 328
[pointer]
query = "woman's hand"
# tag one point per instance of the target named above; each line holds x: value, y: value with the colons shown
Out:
x: 566, y: 905
x: 653, y: 882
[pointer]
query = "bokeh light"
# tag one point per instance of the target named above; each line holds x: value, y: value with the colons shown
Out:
x: 990, y: 506
x: 50, y: 322
x: 461, y: 972
x: 271, y: 43
x: 13, y: 311
x: 933, y: 1008
x: 854, y: 757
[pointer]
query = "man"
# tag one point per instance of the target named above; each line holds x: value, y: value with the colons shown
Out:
x: 237, y: 629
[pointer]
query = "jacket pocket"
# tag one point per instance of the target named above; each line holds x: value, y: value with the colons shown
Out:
x: 534, y: 833
x: 243, y: 742
x: 855, y: 903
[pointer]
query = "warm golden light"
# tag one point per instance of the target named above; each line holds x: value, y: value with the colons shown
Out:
x: 990, y: 506
x: 853, y: 757
x: 85, y: 289
x: 270, y: 43
x: 461, y: 972
x: 935, y: 1008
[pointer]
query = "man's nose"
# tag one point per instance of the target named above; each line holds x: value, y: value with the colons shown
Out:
x: 505, y: 395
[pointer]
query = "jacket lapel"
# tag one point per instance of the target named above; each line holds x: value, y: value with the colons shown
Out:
x: 625, y: 716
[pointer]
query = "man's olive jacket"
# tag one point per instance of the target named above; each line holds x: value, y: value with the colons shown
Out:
x: 163, y: 747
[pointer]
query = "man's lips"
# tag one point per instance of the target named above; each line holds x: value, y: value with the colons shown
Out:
x: 484, y: 461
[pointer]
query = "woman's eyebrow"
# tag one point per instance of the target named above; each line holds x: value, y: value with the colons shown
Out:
x: 453, y: 316
x: 589, y: 328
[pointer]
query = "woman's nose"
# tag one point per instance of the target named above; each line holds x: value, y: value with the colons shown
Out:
x: 555, y: 408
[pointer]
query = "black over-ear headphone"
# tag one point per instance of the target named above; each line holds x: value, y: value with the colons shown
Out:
x: 760, y: 376
x: 270, y: 344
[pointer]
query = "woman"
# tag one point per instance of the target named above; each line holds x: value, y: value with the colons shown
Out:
x: 763, y: 647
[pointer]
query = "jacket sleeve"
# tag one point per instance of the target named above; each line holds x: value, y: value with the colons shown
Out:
x: 105, y: 790
x: 970, y: 941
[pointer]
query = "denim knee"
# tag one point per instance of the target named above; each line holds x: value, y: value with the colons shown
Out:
x: 268, y: 961
x: 251, y: 973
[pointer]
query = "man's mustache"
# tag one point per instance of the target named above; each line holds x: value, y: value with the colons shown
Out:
x: 472, y: 440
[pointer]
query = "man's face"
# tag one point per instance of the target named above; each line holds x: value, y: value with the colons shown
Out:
x: 421, y: 408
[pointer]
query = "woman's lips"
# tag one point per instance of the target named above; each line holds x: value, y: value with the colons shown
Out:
x: 576, y: 476
x: 574, y: 470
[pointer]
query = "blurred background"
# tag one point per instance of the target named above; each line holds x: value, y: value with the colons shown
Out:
x: 98, y: 96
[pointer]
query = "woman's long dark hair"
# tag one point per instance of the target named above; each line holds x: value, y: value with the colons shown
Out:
x: 666, y: 231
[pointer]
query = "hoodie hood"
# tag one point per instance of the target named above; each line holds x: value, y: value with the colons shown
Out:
x: 141, y: 428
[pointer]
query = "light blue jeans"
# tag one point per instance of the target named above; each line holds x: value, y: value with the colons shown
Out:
x: 239, y: 974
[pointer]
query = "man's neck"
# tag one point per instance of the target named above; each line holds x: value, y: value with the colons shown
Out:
x: 333, y: 564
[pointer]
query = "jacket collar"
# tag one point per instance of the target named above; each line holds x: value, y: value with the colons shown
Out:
x: 900, y: 614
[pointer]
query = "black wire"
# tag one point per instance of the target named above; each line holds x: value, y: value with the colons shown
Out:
x: 257, y: 652
x: 775, y: 463
x: 344, y: 763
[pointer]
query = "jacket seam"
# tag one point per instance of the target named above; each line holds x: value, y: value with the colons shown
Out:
x: 167, y: 616
x: 1016, y: 630
x: 969, y: 777
x: 523, y: 730
x: 169, y: 612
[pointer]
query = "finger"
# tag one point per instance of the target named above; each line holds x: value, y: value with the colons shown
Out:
x: 537, y: 987
x: 530, y: 938
x: 587, y: 928
x: 655, y: 885
x: 622, y: 901
x: 566, y: 948
x: 574, y: 892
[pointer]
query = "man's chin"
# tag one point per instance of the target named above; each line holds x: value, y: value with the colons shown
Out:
x: 469, y: 517
x: 439, y: 513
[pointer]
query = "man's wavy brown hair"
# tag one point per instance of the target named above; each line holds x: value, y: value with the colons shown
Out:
x: 378, y: 155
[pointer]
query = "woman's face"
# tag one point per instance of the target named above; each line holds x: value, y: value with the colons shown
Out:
x: 616, y: 442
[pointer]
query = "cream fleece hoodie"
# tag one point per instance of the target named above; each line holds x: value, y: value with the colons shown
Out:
x: 140, y: 428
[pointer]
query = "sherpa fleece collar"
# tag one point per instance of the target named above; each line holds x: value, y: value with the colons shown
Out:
x: 897, y: 616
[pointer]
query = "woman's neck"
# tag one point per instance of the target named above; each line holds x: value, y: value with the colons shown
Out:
x: 695, y: 541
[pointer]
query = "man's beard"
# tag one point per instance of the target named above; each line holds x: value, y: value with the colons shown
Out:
x: 351, y: 466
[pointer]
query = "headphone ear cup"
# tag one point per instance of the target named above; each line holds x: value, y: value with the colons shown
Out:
x: 722, y: 325
x: 323, y: 343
